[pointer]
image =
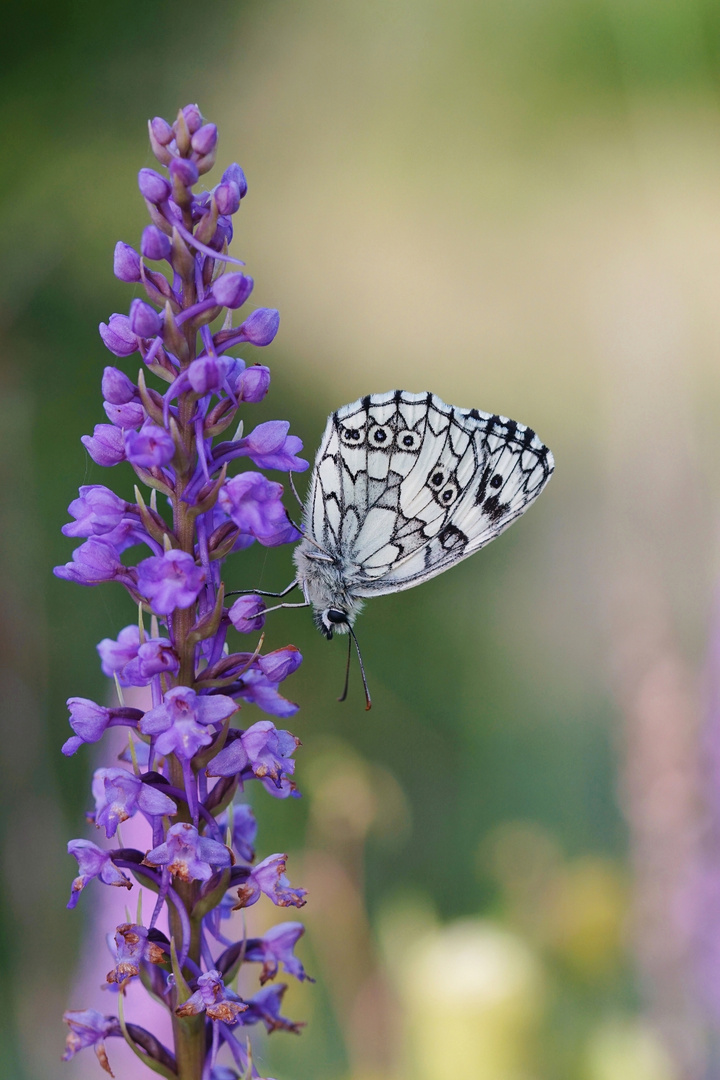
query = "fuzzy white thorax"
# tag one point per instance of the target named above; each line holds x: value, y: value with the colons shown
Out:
x: 324, y: 585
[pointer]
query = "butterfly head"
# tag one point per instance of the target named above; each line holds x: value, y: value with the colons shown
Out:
x: 332, y: 619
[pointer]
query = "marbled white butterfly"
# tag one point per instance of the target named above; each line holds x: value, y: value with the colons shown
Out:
x: 403, y: 488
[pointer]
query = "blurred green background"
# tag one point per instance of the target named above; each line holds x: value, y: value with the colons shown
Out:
x: 517, y: 206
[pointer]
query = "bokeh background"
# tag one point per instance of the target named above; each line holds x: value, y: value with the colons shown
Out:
x: 514, y: 858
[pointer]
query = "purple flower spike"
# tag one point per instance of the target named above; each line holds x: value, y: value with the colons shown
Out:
x: 150, y: 447
x: 174, y: 429
x: 119, y: 794
x: 170, y: 581
x: 98, y: 510
x: 94, y: 562
x: 181, y: 722
x: 261, y: 326
x: 247, y: 614
x: 117, y: 335
x: 144, y: 319
x: 235, y: 175
x: 253, y: 503
x: 155, y: 244
x: 232, y: 290
x: 93, y: 862
x: 205, y: 139
x: 269, y: 877
x: 265, y: 1007
x: 132, y: 946
x: 253, y: 384
x: 275, y: 948
x: 269, y: 750
x: 117, y: 388
x: 153, y: 186
x: 89, y: 1028
x: 213, y: 998
x: 188, y: 855
x: 106, y: 445
x: 126, y: 263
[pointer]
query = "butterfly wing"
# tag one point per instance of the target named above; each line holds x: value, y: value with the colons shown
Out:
x: 405, y: 486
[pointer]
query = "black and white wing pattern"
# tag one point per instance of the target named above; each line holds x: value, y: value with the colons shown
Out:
x: 405, y: 486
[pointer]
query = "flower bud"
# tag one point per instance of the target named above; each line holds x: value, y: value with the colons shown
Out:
x: 153, y: 186
x: 253, y: 384
x: 126, y: 263
x: 184, y: 171
x: 247, y: 614
x: 155, y: 244
x: 227, y: 197
x: 144, y: 320
x: 117, y: 388
x: 232, y: 290
x: 129, y: 415
x: 234, y: 174
x: 117, y: 335
x: 193, y: 118
x: 261, y: 326
x: 205, y: 139
x: 150, y: 447
x: 207, y: 373
x: 161, y: 131
x: 106, y: 445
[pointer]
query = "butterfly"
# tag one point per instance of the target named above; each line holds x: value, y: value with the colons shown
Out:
x: 404, y: 487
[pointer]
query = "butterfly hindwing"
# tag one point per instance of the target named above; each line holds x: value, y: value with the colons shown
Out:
x: 405, y: 486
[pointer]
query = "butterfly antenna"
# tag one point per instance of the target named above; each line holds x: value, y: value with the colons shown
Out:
x: 368, y: 701
x: 347, y: 673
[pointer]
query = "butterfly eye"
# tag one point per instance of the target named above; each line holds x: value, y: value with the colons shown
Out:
x: 352, y: 436
x: 336, y: 615
x: 436, y: 479
x: 449, y: 494
x: 380, y: 436
x: 408, y: 440
x: 496, y: 481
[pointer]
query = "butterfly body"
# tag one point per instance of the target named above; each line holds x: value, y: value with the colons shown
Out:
x: 405, y: 486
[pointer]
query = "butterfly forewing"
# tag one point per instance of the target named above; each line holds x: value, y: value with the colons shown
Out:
x: 405, y: 486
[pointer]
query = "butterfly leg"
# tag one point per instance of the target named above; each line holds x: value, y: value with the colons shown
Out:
x: 260, y: 592
x: 277, y: 607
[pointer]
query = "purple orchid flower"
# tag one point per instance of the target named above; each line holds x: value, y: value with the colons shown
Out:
x: 276, y: 947
x: 170, y: 581
x: 93, y: 862
x: 184, y: 759
x: 187, y: 855
x: 213, y: 998
x: 119, y: 795
x: 269, y: 877
x: 181, y: 723
x: 132, y: 948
